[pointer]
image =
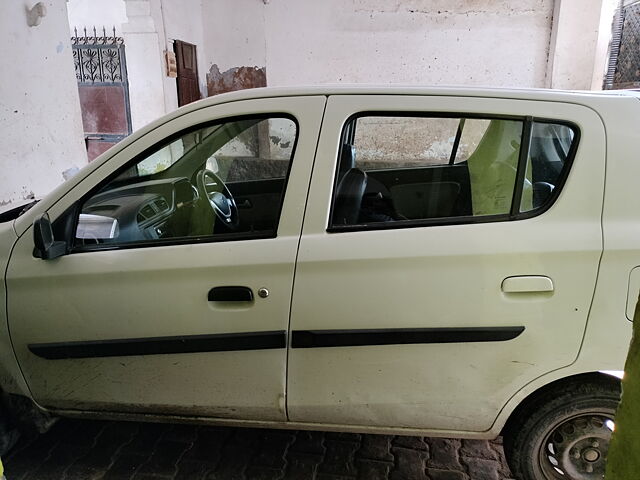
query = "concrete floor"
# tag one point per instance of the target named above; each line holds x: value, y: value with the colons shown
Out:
x: 75, y: 449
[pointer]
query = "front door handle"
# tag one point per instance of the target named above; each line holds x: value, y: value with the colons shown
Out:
x: 230, y: 294
x: 527, y: 283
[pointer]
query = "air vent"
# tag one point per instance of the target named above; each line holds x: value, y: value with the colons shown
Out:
x: 161, y: 205
x: 147, y: 211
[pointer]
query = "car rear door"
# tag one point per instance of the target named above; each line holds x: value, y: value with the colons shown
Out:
x: 434, y: 321
x: 172, y: 323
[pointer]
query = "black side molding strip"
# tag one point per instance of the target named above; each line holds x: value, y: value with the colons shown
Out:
x: 400, y: 336
x: 225, y: 342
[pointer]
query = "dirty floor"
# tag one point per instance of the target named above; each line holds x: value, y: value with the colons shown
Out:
x: 75, y: 449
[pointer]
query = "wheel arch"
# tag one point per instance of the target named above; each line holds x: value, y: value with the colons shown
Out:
x: 532, y: 398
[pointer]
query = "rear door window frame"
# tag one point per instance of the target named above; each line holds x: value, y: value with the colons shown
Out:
x: 348, y: 133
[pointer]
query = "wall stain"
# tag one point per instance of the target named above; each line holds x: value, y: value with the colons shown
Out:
x: 236, y: 78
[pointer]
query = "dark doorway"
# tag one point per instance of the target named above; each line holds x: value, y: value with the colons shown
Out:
x: 187, y: 79
x: 101, y: 73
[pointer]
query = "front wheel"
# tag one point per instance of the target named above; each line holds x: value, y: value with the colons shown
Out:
x: 564, y: 433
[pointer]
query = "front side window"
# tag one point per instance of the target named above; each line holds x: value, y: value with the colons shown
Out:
x: 398, y: 171
x: 223, y: 180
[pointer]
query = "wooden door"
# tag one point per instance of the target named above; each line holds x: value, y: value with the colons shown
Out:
x: 187, y: 79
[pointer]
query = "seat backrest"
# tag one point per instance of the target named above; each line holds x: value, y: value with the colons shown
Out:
x: 347, y: 159
x: 348, y: 200
x: 493, y: 166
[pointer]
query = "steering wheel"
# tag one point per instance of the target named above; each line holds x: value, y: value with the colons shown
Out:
x: 219, y: 198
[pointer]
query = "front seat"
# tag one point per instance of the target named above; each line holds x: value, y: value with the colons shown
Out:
x: 346, y: 210
x: 352, y: 183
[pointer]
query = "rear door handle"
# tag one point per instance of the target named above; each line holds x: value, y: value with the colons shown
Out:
x: 527, y: 283
x: 230, y: 294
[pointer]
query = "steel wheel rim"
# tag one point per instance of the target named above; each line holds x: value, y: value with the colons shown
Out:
x: 576, y: 448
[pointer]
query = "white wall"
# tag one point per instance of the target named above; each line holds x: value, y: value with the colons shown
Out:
x: 146, y: 67
x: 431, y: 42
x: 40, y: 116
x: 234, y: 33
x: 101, y: 13
x: 601, y: 60
x: 471, y: 42
x: 573, y: 50
x: 524, y: 43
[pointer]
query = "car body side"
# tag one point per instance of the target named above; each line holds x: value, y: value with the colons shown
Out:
x: 607, y: 330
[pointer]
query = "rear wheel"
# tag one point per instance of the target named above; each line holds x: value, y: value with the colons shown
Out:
x: 564, y: 432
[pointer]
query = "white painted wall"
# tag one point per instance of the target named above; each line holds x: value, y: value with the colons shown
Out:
x: 471, y: 42
x: 40, y: 116
x: 146, y: 67
x: 601, y: 60
x: 524, y: 43
x: 431, y: 42
x: 234, y: 33
x: 101, y: 13
x: 574, y: 41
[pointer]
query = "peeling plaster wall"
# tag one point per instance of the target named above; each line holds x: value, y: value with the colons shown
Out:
x: 237, y: 78
x: 40, y: 116
x: 473, y: 42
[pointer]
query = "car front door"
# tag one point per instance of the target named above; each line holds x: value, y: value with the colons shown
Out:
x: 448, y: 257
x: 173, y: 298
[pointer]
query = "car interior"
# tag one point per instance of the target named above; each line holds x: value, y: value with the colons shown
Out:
x: 191, y: 187
x: 481, y: 184
x: 216, y: 182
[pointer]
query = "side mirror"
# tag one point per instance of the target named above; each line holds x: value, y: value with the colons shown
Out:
x: 45, y: 246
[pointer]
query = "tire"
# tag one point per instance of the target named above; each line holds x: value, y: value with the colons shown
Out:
x: 563, y: 432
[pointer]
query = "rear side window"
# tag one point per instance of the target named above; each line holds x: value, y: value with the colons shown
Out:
x: 396, y: 171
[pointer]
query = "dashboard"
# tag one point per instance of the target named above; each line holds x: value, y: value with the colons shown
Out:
x: 142, y: 211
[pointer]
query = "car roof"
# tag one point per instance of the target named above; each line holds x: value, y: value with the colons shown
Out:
x: 366, y: 89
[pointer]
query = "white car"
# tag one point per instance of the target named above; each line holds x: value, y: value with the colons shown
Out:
x: 445, y: 262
